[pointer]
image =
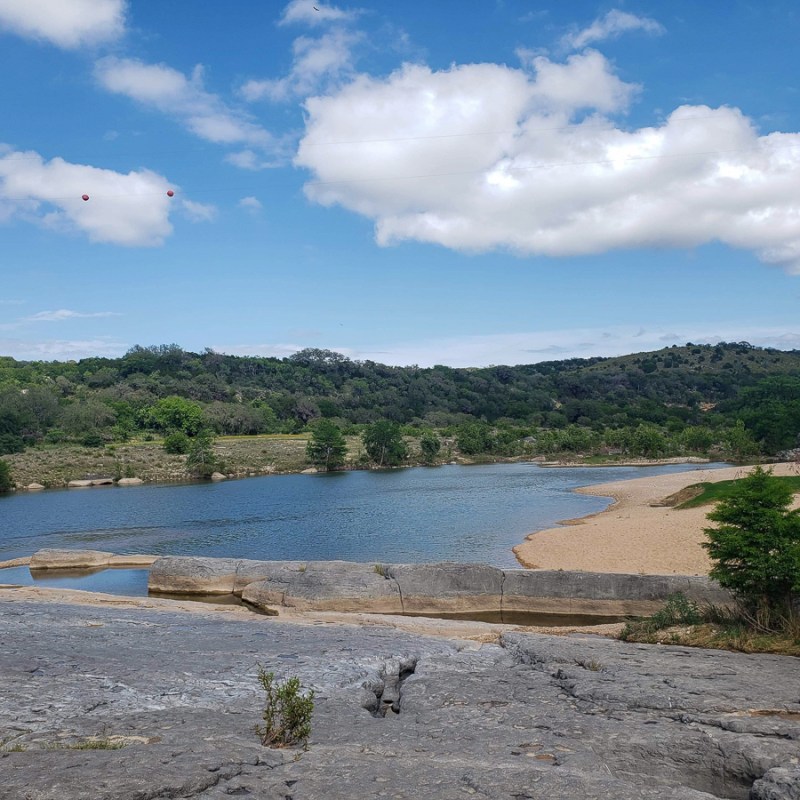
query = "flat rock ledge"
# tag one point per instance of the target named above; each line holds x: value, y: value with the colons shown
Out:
x: 396, y: 714
x: 86, y: 559
x: 427, y: 589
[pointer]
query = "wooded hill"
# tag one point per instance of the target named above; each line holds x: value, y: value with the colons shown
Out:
x: 730, y: 398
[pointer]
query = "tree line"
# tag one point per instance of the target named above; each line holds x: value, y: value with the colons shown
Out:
x: 732, y: 399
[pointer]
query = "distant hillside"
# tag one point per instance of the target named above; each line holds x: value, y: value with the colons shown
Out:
x: 672, y: 390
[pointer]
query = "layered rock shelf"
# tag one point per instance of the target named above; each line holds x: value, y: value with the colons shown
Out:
x: 453, y: 589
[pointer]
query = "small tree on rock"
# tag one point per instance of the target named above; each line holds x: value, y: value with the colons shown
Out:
x: 756, y: 545
x: 6, y: 484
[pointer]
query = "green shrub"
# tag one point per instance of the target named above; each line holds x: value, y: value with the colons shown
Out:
x: 6, y: 484
x: 176, y: 443
x: 93, y: 440
x: 287, y: 713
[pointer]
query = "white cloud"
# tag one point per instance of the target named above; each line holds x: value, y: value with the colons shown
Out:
x: 61, y: 349
x: 534, y: 346
x: 127, y: 209
x: 612, y: 25
x: 251, y: 205
x: 65, y: 23
x: 319, y: 61
x: 483, y: 156
x: 310, y: 12
x: 66, y: 313
x: 166, y: 89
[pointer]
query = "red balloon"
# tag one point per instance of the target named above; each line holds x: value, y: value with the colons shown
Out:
x: 85, y: 197
x: 170, y: 193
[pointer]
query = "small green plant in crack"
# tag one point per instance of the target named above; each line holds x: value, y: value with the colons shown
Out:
x: 380, y: 569
x: 591, y: 664
x: 287, y: 712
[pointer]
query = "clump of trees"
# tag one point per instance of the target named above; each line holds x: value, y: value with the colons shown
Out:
x: 755, y: 547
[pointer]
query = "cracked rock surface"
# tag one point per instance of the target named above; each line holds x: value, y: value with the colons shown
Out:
x: 396, y: 715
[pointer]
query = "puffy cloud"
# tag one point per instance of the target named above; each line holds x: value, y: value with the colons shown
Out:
x: 251, y: 205
x: 310, y: 12
x: 484, y: 156
x: 128, y: 209
x: 65, y: 313
x: 613, y: 24
x: 316, y: 61
x: 65, y: 23
x: 171, y: 92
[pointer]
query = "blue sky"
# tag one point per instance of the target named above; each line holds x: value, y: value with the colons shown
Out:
x: 462, y: 183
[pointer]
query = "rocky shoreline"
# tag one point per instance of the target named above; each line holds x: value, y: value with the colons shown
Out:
x: 397, y: 714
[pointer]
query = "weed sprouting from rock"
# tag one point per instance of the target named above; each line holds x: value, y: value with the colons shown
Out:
x: 287, y: 712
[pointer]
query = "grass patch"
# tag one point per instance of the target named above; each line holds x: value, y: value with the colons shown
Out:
x: 706, y: 493
x: 683, y: 622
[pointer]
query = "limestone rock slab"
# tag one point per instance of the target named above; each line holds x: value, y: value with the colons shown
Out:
x: 193, y: 575
x: 448, y: 588
x: 70, y: 559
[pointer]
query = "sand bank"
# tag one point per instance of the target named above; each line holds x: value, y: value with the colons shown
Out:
x: 635, y: 534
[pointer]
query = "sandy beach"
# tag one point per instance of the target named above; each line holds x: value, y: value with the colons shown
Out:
x: 635, y: 534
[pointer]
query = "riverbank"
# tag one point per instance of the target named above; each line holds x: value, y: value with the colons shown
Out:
x: 637, y: 533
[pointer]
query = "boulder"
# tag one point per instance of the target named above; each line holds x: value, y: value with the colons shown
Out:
x: 779, y: 783
x: 70, y: 559
x: 102, y: 482
x: 218, y: 476
x: 34, y: 487
x: 130, y: 482
x: 81, y: 484
x: 448, y: 588
x: 328, y: 586
x: 187, y: 575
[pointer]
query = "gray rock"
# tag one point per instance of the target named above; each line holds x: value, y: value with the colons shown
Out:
x: 248, y: 571
x: 79, y: 484
x: 70, y: 559
x: 218, y: 476
x: 130, y: 482
x: 602, y: 594
x: 448, y: 587
x: 188, y: 575
x: 778, y: 784
x: 395, y: 714
x: 34, y: 487
x: 327, y: 586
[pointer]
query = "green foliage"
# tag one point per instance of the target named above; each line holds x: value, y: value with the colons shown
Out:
x: 6, y: 484
x: 721, y: 490
x: 678, y: 610
x: 739, y: 443
x: 201, y: 461
x: 430, y: 445
x: 177, y: 443
x: 177, y: 414
x: 326, y: 447
x: 475, y: 437
x: 384, y: 443
x: 93, y: 439
x: 287, y: 712
x: 10, y: 443
x: 756, y: 544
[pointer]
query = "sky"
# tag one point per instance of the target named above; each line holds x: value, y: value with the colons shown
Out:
x: 462, y: 183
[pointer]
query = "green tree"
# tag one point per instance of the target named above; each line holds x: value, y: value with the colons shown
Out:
x: 177, y: 414
x: 326, y: 447
x: 756, y: 544
x: 201, y: 461
x: 475, y: 437
x: 739, y: 443
x: 430, y: 445
x: 384, y: 443
x: 6, y: 484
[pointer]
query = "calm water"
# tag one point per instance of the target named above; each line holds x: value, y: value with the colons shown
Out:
x: 456, y: 513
